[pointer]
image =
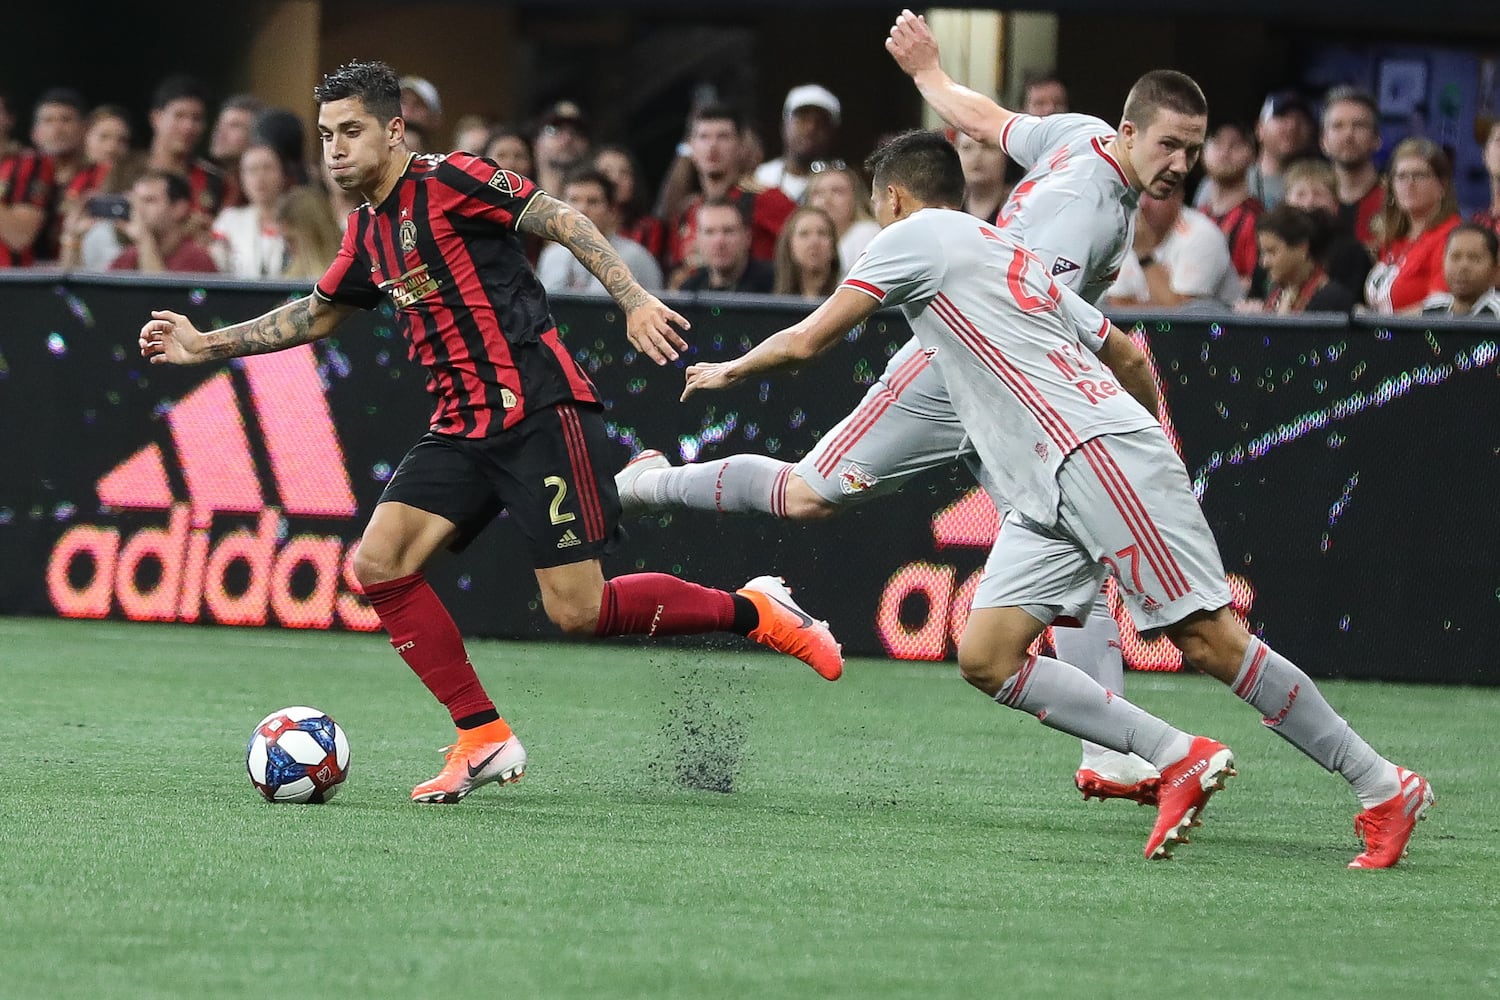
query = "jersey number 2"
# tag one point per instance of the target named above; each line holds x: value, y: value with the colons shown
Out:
x: 559, y: 484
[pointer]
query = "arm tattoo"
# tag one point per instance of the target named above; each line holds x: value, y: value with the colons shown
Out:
x: 561, y: 223
x: 288, y: 326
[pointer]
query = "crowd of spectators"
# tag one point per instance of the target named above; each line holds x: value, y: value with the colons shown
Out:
x: 1290, y: 212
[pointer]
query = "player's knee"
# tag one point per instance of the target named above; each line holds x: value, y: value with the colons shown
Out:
x: 573, y: 615
x: 983, y: 667
x: 375, y: 564
x: 1213, y: 643
x: 802, y: 504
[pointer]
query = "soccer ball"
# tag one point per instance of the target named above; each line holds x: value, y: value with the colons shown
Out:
x: 297, y: 755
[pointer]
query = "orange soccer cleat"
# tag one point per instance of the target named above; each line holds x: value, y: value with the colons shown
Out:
x: 489, y: 753
x: 786, y: 628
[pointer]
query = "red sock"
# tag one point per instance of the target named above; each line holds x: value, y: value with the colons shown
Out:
x: 659, y: 604
x: 424, y: 634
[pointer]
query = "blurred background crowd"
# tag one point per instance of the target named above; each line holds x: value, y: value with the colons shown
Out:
x: 1364, y: 179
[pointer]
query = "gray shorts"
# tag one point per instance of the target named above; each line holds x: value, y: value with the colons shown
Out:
x: 905, y: 425
x: 1128, y: 511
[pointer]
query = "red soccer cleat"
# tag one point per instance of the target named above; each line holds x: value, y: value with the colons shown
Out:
x: 1185, y: 789
x: 1386, y: 828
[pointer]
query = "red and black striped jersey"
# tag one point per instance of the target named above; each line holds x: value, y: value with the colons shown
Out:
x: 89, y: 180
x: 207, y: 185
x: 26, y: 178
x: 443, y: 246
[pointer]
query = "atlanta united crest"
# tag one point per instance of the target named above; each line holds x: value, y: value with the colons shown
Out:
x: 506, y: 181
x: 408, y: 236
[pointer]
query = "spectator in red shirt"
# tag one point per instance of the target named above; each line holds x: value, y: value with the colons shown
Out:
x: 26, y: 191
x: 714, y: 144
x: 1350, y: 137
x: 161, y: 203
x: 1420, y: 210
x: 1226, y: 159
x: 1490, y: 217
x: 179, y: 117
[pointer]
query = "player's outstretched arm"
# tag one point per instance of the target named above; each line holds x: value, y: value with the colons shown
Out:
x: 649, y: 324
x: 169, y: 338
x: 1128, y: 362
x: 840, y: 312
x: 915, y: 50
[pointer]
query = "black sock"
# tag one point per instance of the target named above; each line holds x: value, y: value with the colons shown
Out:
x: 477, y: 719
x: 745, y: 615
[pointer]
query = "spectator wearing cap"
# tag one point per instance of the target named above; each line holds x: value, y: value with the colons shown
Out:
x: 810, y: 119
x: 714, y: 145
x: 1284, y: 133
x: 1471, y: 265
x: 1490, y: 217
x: 1349, y: 138
x: 1224, y: 196
x: 1421, y: 209
x: 561, y: 144
x: 421, y: 107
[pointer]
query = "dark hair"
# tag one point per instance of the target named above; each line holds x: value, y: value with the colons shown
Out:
x: 723, y: 201
x: 588, y: 175
x: 242, y: 102
x: 1345, y: 94
x: 284, y: 132
x: 1037, y: 78
x: 1293, y: 225
x: 177, y: 88
x: 922, y: 161
x: 374, y: 83
x: 62, y: 95
x: 1247, y: 133
x: 637, y: 205
x: 717, y: 113
x: 1163, y: 89
x: 1491, y: 241
x: 178, y: 188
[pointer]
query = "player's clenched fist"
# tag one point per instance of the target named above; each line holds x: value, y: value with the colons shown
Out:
x: 170, y: 338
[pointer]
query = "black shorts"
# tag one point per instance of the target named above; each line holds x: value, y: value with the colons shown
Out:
x: 550, y: 473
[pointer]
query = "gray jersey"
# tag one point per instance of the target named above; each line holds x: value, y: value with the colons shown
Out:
x: 1074, y: 208
x: 1015, y: 349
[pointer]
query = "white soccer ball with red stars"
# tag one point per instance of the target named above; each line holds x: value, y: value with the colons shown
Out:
x: 298, y: 754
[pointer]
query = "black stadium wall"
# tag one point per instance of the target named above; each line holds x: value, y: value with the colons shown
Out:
x: 1348, y: 469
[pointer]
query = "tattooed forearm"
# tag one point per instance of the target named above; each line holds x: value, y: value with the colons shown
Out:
x: 288, y: 326
x: 561, y: 223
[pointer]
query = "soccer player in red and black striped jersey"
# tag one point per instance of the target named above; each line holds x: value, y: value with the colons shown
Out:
x: 516, y: 423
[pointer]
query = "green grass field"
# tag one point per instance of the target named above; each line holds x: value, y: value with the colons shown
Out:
x: 893, y: 834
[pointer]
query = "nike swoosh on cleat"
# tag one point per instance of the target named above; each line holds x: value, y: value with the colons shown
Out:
x: 806, y: 621
x: 474, y: 771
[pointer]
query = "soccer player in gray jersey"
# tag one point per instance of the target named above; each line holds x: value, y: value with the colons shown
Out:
x: 1074, y: 209
x: 1061, y: 408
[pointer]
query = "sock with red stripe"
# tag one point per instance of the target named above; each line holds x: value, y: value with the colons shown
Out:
x: 739, y: 484
x: 1065, y: 698
x: 424, y: 634
x: 659, y: 604
x: 1095, y: 649
x: 1292, y: 707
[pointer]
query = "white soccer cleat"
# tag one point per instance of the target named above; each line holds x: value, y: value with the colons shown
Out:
x: 1107, y: 774
x: 632, y: 499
